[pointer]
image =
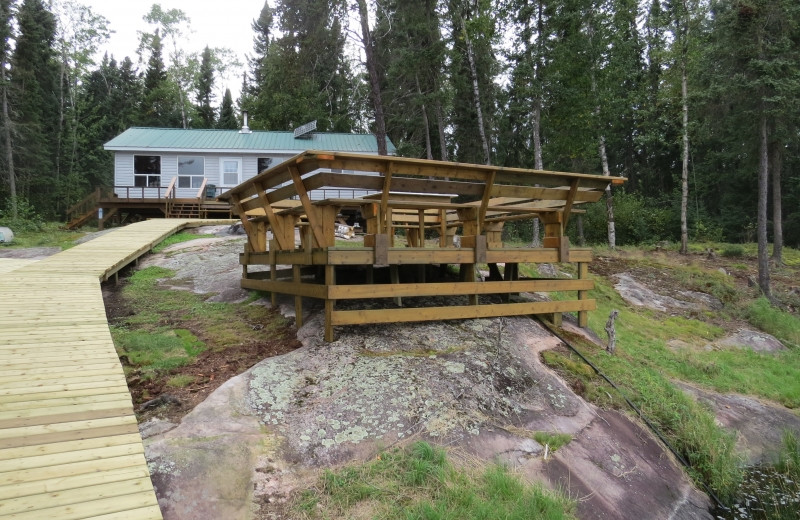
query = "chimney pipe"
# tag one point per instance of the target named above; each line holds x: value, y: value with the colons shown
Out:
x: 245, y: 129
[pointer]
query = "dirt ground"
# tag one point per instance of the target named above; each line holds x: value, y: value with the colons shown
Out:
x: 213, y: 366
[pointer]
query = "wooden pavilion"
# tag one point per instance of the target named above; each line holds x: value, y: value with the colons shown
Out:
x: 424, y: 198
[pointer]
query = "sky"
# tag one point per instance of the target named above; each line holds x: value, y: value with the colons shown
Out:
x: 225, y: 23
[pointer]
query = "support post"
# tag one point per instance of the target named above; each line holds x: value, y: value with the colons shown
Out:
x: 583, y: 274
x: 298, y: 300
x: 330, y: 279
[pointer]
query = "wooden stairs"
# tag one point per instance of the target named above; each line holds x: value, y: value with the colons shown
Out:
x: 184, y: 210
x: 84, y: 211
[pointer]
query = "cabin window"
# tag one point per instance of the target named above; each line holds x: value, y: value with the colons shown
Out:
x: 146, y: 171
x: 230, y: 170
x: 191, y: 171
x: 264, y: 163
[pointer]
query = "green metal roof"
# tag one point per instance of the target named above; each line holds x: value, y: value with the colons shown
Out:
x: 178, y: 139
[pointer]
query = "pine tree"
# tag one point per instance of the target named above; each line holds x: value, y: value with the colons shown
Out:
x: 7, y: 145
x: 368, y: 42
x: 227, y: 115
x: 755, y: 53
x: 159, y: 106
x: 474, y: 66
x: 411, y: 61
x: 34, y: 83
x: 306, y: 75
x: 205, y: 92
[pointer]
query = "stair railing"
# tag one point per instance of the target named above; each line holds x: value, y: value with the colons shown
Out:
x: 169, y: 197
x: 81, y: 208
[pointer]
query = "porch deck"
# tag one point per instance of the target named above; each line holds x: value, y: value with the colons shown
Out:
x: 69, y: 441
x: 420, y: 197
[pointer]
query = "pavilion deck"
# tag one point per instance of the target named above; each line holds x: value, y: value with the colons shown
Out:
x: 423, y: 198
x: 69, y: 441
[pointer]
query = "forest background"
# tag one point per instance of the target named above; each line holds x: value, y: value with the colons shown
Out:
x: 695, y: 102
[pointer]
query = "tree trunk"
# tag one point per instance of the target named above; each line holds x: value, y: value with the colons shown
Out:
x: 60, y: 138
x: 374, y: 82
x: 685, y: 166
x: 537, y: 114
x: 776, y: 164
x: 183, y: 107
x: 440, y: 125
x: 425, y: 123
x: 612, y: 232
x: 763, y: 179
x: 537, y: 162
x: 12, y: 178
x: 476, y: 91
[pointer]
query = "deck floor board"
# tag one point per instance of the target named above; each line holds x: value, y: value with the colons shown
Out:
x: 69, y: 442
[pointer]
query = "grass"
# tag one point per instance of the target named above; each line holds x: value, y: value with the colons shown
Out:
x: 780, y: 324
x: 420, y: 483
x: 168, y: 329
x: 177, y: 238
x: 50, y: 234
x: 645, y: 367
x: 553, y: 440
x: 158, y: 351
x: 180, y: 381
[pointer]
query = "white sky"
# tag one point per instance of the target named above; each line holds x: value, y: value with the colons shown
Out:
x: 225, y: 23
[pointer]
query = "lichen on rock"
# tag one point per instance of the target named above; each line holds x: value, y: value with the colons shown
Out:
x: 384, y: 383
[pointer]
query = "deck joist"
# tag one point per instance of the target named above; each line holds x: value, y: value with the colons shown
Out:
x: 69, y: 441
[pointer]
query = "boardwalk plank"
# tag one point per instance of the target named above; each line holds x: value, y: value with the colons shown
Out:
x: 69, y: 442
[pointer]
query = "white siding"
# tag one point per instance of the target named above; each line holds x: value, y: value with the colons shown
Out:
x: 123, y: 175
x: 123, y: 172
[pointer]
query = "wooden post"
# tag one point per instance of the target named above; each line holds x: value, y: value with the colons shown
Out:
x: 273, y: 269
x: 583, y: 274
x: 442, y: 228
x: 394, y: 274
x: 330, y: 279
x: 467, y: 274
x: 298, y: 300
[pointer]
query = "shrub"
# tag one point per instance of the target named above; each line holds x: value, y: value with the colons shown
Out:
x: 733, y: 251
x: 27, y: 219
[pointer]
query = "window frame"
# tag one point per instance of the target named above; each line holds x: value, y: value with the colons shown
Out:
x: 193, y: 177
x: 151, y: 180
x: 222, y: 171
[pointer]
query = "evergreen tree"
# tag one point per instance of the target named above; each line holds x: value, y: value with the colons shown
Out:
x: 159, y: 107
x: 473, y: 68
x: 410, y: 55
x: 756, y: 52
x: 227, y: 115
x: 7, y: 144
x: 109, y: 104
x: 205, y: 95
x: 34, y: 83
x: 305, y: 75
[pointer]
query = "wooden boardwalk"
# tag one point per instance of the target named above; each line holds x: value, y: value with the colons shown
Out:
x: 69, y: 442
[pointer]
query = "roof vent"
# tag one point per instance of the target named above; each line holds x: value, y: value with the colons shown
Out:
x: 304, y: 131
x: 245, y: 129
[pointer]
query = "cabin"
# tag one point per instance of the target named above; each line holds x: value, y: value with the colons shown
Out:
x: 175, y: 172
